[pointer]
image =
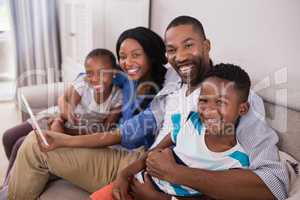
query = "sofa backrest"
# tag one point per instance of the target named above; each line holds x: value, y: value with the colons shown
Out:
x: 40, y: 97
x: 286, y: 122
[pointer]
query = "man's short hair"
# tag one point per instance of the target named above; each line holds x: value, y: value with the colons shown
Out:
x: 233, y: 73
x: 187, y: 20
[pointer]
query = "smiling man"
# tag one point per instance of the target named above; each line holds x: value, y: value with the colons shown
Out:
x: 188, y: 52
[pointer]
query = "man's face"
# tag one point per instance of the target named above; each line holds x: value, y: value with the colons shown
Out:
x: 186, y: 52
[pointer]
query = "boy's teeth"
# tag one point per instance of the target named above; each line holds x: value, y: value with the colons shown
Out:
x: 97, y: 86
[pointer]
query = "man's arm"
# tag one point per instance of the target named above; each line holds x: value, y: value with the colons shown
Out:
x: 259, y: 141
x: 229, y: 184
x: 260, y: 145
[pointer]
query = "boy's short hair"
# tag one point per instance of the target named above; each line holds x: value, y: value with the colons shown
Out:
x: 187, y: 20
x: 233, y: 73
x: 100, y: 53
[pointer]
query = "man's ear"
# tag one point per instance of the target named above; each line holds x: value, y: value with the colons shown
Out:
x: 206, y: 44
x: 244, y: 108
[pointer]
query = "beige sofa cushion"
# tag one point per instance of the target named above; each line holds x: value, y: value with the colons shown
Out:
x: 63, y: 190
x: 286, y: 122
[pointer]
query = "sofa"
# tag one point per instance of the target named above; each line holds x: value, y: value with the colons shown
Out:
x: 284, y: 120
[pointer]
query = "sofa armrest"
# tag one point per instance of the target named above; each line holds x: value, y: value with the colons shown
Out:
x: 40, y: 97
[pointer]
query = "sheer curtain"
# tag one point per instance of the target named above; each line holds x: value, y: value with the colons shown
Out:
x: 35, y: 25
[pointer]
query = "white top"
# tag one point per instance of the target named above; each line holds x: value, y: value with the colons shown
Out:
x: 177, y: 103
x: 88, y: 105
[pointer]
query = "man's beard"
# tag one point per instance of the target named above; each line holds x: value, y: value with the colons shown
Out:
x: 196, y: 79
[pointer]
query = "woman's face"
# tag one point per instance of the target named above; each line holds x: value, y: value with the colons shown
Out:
x: 133, y: 60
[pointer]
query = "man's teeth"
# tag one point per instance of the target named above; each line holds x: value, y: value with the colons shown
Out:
x: 185, y: 69
x: 133, y: 70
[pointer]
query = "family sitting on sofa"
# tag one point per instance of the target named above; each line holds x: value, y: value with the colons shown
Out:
x: 201, y: 136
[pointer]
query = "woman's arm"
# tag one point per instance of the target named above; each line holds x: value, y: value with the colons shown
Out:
x: 131, y: 134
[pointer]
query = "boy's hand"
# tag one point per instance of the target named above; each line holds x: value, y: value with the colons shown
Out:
x: 121, y: 188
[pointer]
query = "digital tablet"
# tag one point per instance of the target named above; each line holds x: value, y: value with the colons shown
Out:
x: 35, y: 124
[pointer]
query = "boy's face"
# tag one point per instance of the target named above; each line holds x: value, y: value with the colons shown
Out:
x: 99, y: 71
x: 186, y: 52
x: 219, y: 106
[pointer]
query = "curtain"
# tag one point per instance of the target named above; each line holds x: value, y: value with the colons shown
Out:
x: 36, y: 31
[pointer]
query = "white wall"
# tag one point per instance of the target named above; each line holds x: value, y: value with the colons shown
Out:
x: 90, y: 24
x: 263, y: 36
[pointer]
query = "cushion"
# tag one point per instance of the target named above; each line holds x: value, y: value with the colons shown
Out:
x: 286, y: 123
x: 63, y: 190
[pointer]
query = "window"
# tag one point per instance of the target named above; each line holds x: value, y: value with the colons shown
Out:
x: 4, y: 16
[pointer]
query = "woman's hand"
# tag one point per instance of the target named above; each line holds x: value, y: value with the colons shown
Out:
x: 161, y: 164
x: 54, y: 139
x: 120, y: 189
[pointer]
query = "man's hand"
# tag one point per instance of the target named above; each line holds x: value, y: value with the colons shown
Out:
x: 161, y: 164
x: 54, y: 139
x: 146, y: 190
x: 121, y: 188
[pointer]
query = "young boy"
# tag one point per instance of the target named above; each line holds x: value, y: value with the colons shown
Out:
x: 207, y: 138
x: 92, y: 102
